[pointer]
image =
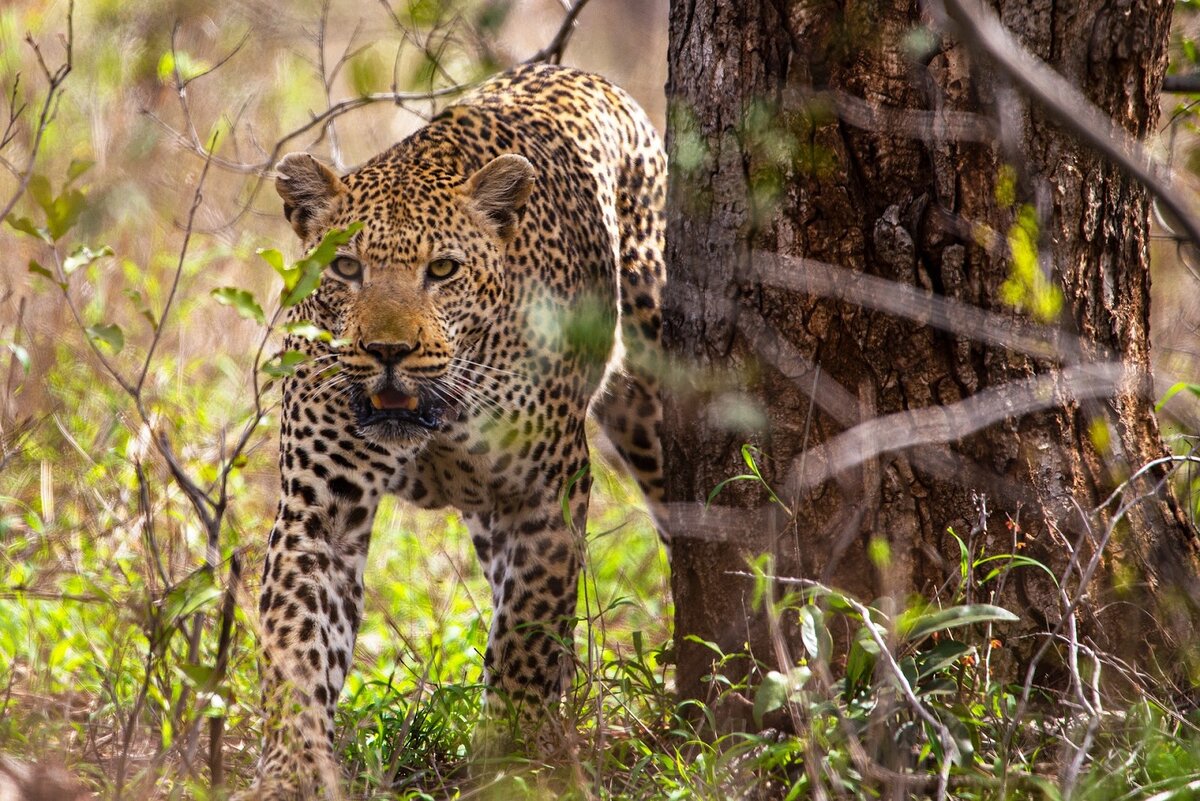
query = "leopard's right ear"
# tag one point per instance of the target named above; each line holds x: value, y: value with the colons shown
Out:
x: 308, y: 189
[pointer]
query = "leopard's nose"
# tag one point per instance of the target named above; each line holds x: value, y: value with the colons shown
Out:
x: 389, y: 352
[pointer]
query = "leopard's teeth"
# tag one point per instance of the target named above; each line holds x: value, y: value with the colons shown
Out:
x: 410, y: 403
x: 376, y: 402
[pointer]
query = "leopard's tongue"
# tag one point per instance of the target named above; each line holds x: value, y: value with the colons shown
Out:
x: 392, y: 400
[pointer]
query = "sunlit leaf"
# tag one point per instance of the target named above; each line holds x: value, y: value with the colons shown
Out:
x: 242, y: 302
x: 78, y: 167
x: 191, y: 595
x: 284, y: 364
x: 309, y: 331
x: 82, y: 256
x: 109, y: 334
x: 814, y: 634
x: 272, y: 257
x: 917, y: 626
x: 1175, y: 389
x: 20, y: 354
x: 26, y: 226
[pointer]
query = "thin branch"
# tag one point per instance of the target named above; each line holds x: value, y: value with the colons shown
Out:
x: 920, y: 306
x: 553, y: 52
x: 979, y: 28
x: 952, y: 422
x: 197, y: 199
x: 1185, y: 84
x: 49, y: 106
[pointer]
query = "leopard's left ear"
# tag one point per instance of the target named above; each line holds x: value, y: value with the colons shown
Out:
x: 499, y: 191
x: 308, y: 189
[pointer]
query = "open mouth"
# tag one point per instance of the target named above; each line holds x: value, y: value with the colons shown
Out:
x: 391, y: 400
x: 398, y: 413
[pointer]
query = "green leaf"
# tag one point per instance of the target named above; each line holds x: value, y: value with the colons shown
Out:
x: 326, y: 250
x: 941, y: 656
x: 1175, y: 389
x: 710, y: 645
x: 169, y: 63
x: 166, y: 66
x: 64, y: 213
x: 303, y: 279
x: 1027, y: 286
x: 918, y: 626
x: 306, y: 279
x: 40, y: 191
x: 20, y: 354
x: 818, y: 643
x: 308, y: 330
x: 284, y: 364
x: 368, y: 72
x: 191, y: 595
x: 78, y: 167
x: 772, y: 694
x: 82, y: 256
x: 198, y: 676
x: 1010, y: 561
x: 38, y: 269
x: 272, y: 257
x: 242, y: 302
x: 860, y: 663
x: 136, y: 299
x: 26, y: 226
x: 110, y: 335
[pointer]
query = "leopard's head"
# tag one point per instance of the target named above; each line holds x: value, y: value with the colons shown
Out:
x: 418, y: 287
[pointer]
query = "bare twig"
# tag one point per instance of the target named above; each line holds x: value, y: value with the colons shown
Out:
x: 216, y: 729
x: 553, y: 52
x: 951, y: 422
x: 197, y: 199
x: 55, y: 80
x: 1187, y: 83
x: 979, y: 27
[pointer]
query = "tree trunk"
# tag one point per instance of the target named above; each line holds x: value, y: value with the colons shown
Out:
x: 803, y: 130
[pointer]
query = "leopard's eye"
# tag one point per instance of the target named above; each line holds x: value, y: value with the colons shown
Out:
x: 441, y: 269
x: 347, y: 268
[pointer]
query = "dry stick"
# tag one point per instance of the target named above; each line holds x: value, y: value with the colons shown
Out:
x: 938, y: 424
x: 197, y: 199
x: 216, y: 730
x: 265, y: 168
x: 553, y: 52
x: 978, y: 27
x: 16, y: 107
x: 328, y: 76
x: 819, y: 278
x: 49, y: 106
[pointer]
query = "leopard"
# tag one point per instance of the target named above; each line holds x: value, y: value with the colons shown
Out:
x: 502, y: 285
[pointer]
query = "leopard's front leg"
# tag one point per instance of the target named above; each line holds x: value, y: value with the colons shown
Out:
x: 532, y: 561
x: 312, y: 596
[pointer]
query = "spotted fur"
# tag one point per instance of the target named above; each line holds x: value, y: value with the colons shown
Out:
x: 541, y: 196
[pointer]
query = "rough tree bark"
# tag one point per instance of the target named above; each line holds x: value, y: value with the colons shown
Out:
x: 786, y: 139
